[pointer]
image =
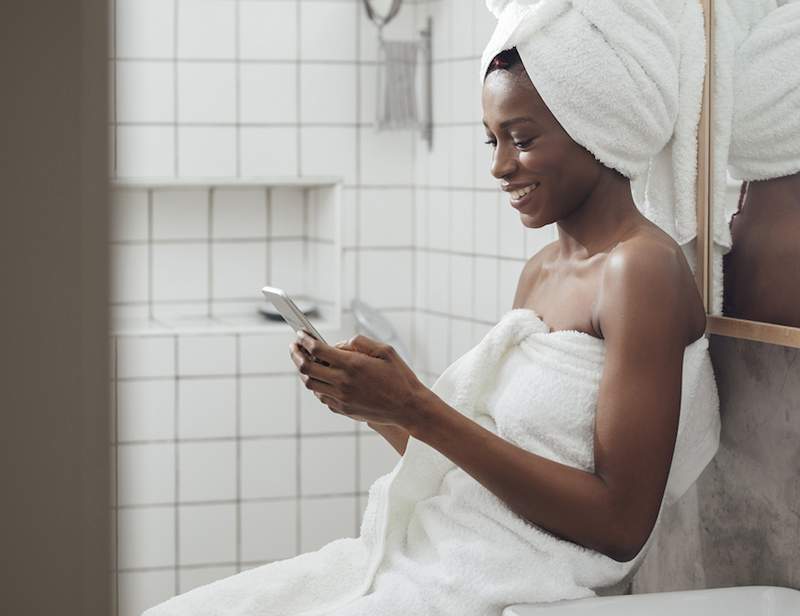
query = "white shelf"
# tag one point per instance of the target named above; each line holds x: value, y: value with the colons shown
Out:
x: 245, y: 182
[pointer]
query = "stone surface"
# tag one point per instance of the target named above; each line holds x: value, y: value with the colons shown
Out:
x: 740, y: 523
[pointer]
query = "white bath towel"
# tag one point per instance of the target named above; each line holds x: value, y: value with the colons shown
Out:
x: 433, y: 540
x: 765, y: 133
x: 624, y: 78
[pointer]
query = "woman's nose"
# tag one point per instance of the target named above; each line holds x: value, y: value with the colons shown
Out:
x: 504, y: 162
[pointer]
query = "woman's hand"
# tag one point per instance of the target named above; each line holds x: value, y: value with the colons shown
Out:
x: 364, y: 379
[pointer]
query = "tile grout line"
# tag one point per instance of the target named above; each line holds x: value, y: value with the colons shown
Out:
x: 176, y: 457
x: 238, y: 381
x: 116, y: 473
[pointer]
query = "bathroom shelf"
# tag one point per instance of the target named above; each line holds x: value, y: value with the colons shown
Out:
x: 244, y: 182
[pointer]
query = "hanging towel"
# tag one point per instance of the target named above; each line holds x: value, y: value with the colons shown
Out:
x: 624, y: 78
x: 435, y: 542
x: 396, y: 85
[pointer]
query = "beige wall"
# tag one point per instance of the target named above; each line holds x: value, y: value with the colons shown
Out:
x: 53, y: 356
x: 740, y: 524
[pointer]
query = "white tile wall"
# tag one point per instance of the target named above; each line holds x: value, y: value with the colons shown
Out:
x: 283, y: 88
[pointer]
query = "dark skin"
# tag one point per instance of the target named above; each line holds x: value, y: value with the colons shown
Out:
x: 762, y: 270
x: 611, y: 274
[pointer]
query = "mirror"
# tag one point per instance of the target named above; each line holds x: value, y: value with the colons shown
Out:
x: 755, y: 166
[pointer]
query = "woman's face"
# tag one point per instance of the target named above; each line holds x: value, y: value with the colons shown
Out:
x: 532, y: 152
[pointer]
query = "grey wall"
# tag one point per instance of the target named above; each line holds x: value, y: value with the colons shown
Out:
x: 54, y: 420
x: 740, y: 523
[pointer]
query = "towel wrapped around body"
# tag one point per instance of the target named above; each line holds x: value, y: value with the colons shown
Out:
x: 433, y: 540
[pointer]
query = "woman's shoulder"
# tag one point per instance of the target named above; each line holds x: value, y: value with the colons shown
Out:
x: 649, y: 269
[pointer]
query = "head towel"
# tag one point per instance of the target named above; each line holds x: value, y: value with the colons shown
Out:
x: 624, y: 78
x: 765, y: 131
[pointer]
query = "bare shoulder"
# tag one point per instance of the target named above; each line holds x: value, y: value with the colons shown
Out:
x: 647, y: 279
x: 531, y: 270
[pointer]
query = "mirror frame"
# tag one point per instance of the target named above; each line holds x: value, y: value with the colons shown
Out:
x: 716, y: 324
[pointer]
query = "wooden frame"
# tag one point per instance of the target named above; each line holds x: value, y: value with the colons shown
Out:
x: 717, y: 324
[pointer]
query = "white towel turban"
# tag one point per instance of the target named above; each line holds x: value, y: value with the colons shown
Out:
x: 624, y: 79
x: 765, y: 134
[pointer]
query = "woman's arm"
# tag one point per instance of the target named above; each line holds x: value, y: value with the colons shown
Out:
x: 612, y: 510
x: 642, y: 314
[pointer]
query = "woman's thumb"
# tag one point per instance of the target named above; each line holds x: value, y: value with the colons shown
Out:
x: 366, y: 345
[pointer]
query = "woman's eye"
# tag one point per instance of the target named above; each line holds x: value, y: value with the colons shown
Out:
x: 523, y: 144
x: 491, y: 143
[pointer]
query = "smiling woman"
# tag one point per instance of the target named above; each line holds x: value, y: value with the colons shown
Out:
x: 550, y: 448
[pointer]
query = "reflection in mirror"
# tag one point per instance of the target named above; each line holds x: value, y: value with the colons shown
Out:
x: 761, y: 271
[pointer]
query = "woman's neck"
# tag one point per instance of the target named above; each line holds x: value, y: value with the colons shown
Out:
x: 601, y: 220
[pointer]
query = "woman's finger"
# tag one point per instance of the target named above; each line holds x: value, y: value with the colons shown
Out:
x: 322, y: 351
x: 306, y: 365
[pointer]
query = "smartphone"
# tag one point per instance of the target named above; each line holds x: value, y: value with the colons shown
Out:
x: 290, y: 312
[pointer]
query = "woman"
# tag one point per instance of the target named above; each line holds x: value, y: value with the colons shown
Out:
x: 537, y: 465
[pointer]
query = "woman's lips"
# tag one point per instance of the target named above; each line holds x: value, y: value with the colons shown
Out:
x: 523, y: 200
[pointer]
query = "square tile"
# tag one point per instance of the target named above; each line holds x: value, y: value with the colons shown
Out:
x: 288, y: 266
x: 460, y: 338
x: 487, y: 217
x: 439, y: 220
x: 207, y: 408
x: 327, y: 30
x: 512, y: 233
x: 376, y: 457
x: 330, y: 150
x: 206, y: 151
x: 323, y: 520
x: 266, y: 354
x: 269, y: 151
x: 438, y: 282
x: 286, y: 212
x: 463, y: 14
x: 316, y: 417
x: 239, y: 213
x: 462, y: 221
x: 206, y: 534
x: 486, y: 288
x: 268, y: 93
x: 146, y: 410
x: 461, y: 283
x: 510, y: 271
x: 268, y: 405
x: 367, y: 94
x: 206, y: 29
x: 386, y: 217
x: 145, y: 151
x: 206, y: 92
x: 129, y: 273
x: 327, y: 465
x: 463, y: 149
x: 328, y: 93
x: 206, y: 355
x: 146, y: 537
x: 180, y: 214
x: 140, y: 590
x: 269, y: 468
x: 269, y: 530
x: 378, y: 287
x: 145, y: 356
x: 268, y: 30
x: 387, y: 157
x: 144, y: 28
x: 180, y: 272
x: 144, y: 92
x: 189, y: 578
x: 129, y: 215
x: 206, y: 471
x: 466, y: 95
x: 145, y: 474
x: 239, y: 270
